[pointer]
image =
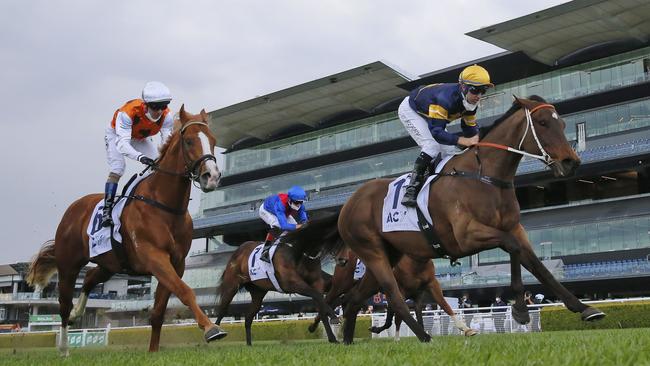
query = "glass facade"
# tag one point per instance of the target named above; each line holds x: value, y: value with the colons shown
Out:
x: 610, y: 119
x: 599, y: 121
x: 593, y: 237
x: 314, y: 179
x: 348, y: 136
x: 592, y: 77
x: 575, y: 81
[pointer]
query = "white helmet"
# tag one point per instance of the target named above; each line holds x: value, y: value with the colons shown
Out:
x: 155, y: 91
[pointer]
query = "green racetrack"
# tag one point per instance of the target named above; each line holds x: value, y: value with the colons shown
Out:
x: 586, y: 347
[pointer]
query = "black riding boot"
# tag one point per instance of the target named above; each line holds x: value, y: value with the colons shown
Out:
x: 265, y: 252
x: 417, y: 180
x: 109, y: 196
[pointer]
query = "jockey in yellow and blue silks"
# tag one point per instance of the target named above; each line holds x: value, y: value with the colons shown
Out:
x: 426, y: 112
x: 282, y: 212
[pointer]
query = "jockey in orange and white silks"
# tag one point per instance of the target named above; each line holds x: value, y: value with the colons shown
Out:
x: 130, y: 134
x: 429, y: 108
x: 282, y: 212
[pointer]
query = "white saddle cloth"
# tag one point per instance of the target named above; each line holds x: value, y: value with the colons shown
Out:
x: 259, y: 269
x: 100, y: 237
x: 397, y: 217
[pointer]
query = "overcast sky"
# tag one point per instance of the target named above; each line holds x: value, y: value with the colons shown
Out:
x: 65, y: 66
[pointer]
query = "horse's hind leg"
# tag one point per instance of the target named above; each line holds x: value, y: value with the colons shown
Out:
x: 353, y: 301
x: 67, y: 279
x: 436, y: 292
x: 389, y: 321
x: 383, y: 272
x: 93, y: 277
x: 530, y: 261
x: 257, y: 296
x: 228, y: 288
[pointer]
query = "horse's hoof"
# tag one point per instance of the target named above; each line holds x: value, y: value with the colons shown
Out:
x: 214, y: 333
x: 312, y: 328
x: 375, y: 330
x: 590, y: 314
x: 426, y: 339
x: 334, y: 341
x: 521, y: 316
x: 470, y: 332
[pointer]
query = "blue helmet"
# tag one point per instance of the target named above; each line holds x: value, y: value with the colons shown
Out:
x: 296, y: 193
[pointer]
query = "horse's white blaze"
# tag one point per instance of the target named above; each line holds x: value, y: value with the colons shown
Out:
x: 209, y: 164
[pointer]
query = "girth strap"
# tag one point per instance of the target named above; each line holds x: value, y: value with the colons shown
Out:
x: 432, y: 238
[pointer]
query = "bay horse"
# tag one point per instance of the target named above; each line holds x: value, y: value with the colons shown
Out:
x: 414, y: 276
x: 473, y: 207
x: 156, y: 231
x: 297, y: 269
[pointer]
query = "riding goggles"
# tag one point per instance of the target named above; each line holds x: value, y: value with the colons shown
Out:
x: 157, y: 105
x: 477, y: 90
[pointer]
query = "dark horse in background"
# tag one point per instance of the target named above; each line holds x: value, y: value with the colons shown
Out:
x: 297, y: 269
x: 415, y: 277
x: 155, y: 240
x: 473, y: 207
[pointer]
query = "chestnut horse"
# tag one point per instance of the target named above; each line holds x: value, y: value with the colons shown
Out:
x: 297, y: 269
x: 156, y: 232
x: 473, y: 207
x: 414, y: 277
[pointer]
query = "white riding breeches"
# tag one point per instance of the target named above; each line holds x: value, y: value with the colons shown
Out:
x: 418, y: 128
x: 116, y: 160
x: 271, y: 219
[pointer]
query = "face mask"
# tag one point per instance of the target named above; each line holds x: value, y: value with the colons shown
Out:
x: 148, y: 114
x: 294, y: 205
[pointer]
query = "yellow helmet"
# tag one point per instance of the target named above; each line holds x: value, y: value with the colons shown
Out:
x: 475, y: 75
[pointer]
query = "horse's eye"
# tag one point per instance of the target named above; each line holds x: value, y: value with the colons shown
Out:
x: 542, y: 123
x: 188, y: 142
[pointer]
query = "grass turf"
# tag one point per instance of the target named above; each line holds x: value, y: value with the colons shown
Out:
x: 593, y: 347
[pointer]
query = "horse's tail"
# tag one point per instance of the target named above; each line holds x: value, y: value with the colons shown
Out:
x: 323, y: 232
x: 43, y: 266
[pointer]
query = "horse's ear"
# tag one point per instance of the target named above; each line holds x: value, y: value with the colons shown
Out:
x: 182, y: 114
x: 524, y: 103
x: 204, y: 114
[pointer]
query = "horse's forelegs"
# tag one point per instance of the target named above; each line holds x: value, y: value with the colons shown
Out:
x: 519, y: 309
x: 299, y: 286
x: 158, y: 316
x: 532, y: 263
x: 94, y: 276
x: 257, y: 296
x: 161, y: 267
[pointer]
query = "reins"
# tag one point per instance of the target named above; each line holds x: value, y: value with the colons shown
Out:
x: 544, y: 156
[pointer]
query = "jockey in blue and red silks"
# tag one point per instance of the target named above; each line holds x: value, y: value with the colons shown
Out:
x: 282, y: 212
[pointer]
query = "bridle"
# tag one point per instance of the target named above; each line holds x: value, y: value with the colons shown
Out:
x: 191, y: 166
x: 543, y: 156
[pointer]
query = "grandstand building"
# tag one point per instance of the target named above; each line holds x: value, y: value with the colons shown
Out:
x: 590, y: 58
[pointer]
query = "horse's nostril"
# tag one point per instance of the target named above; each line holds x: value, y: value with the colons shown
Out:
x: 205, y: 176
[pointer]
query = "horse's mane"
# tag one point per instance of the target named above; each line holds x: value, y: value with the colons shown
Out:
x: 513, y: 108
x: 319, y: 234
